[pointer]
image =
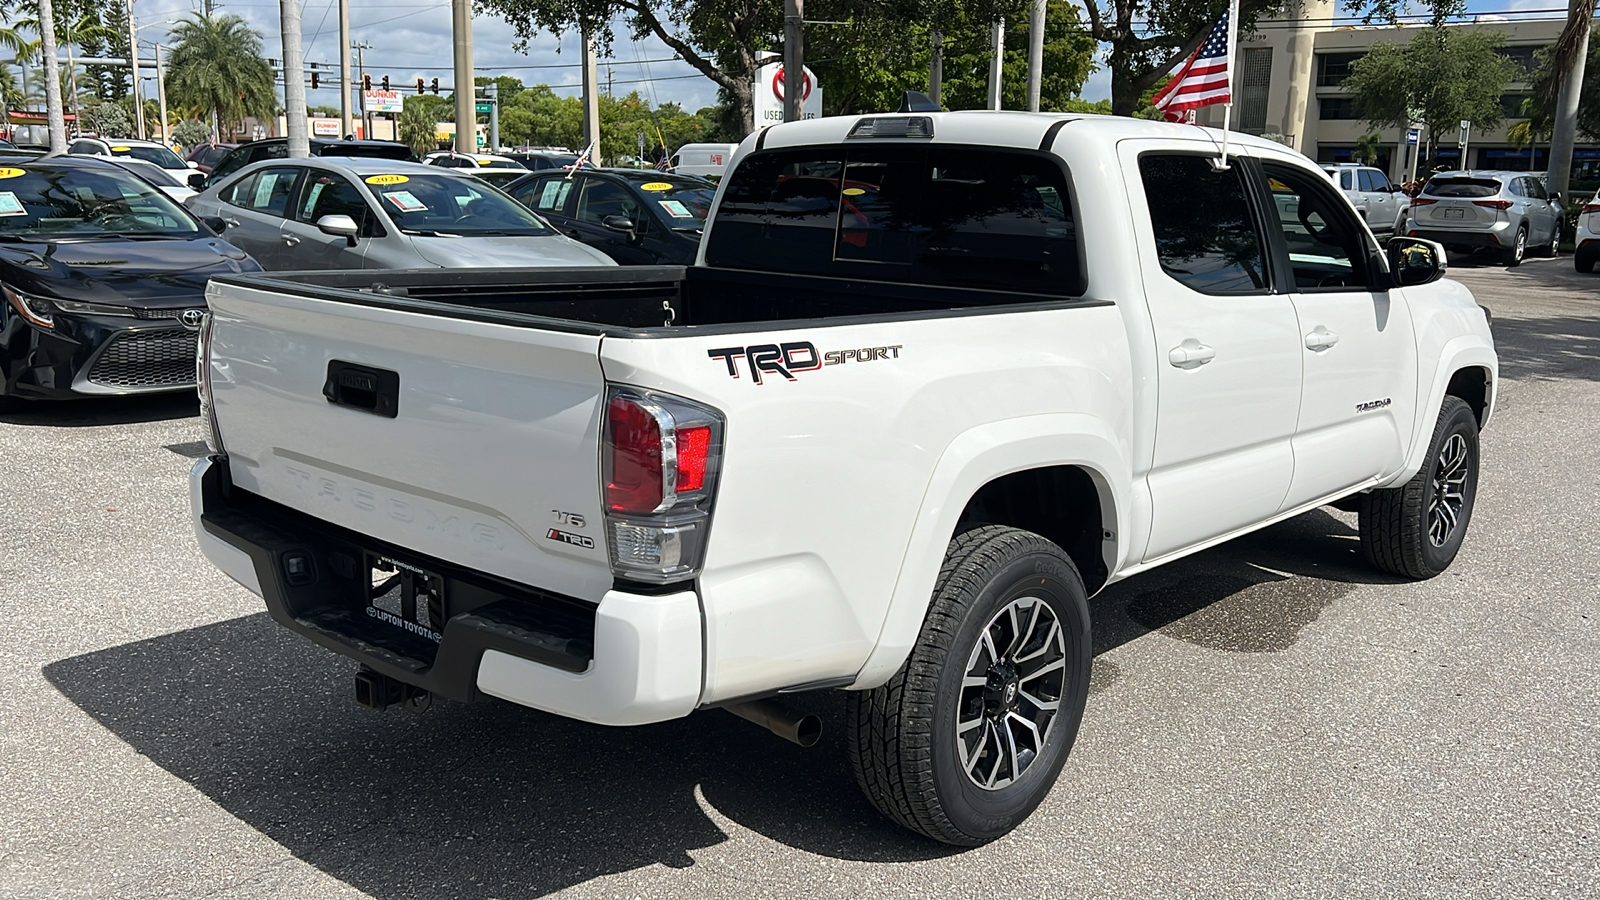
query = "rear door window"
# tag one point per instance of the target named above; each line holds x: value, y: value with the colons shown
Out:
x: 957, y: 216
x: 1366, y: 182
x: 266, y: 191
x: 1206, y: 237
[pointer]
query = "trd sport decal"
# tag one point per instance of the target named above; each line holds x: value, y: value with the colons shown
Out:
x: 796, y: 356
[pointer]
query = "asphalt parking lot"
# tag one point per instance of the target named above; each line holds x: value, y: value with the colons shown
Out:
x: 1269, y: 718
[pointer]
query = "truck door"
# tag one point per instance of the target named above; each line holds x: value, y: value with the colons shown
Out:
x: 1356, y: 343
x: 1227, y: 352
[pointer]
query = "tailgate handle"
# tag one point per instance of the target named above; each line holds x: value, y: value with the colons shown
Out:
x: 364, y: 388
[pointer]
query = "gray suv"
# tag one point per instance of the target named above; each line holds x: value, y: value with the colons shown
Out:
x: 1508, y: 212
x: 1380, y: 204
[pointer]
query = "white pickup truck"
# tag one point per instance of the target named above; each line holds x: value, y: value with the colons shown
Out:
x: 935, y: 380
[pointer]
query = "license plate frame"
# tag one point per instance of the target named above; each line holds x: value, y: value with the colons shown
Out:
x: 405, y: 596
x: 1453, y: 212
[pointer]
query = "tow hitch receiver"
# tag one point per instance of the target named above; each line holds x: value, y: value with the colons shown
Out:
x: 375, y: 690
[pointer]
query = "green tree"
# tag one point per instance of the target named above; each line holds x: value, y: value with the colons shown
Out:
x: 191, y: 132
x: 1542, y: 106
x: 418, y: 126
x: 1367, y: 147
x: 1442, y: 75
x: 216, y: 69
x: 721, y: 38
x: 106, y: 118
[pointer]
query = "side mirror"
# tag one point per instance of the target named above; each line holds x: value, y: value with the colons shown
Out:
x: 1414, y: 261
x: 197, y: 180
x: 618, y: 223
x: 216, y: 223
x: 340, y: 226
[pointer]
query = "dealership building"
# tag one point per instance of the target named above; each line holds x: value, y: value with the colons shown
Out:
x: 1289, y: 83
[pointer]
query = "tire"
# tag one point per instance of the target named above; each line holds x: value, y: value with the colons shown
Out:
x: 1412, y: 530
x: 1554, y: 249
x: 910, y: 755
x: 1513, y: 257
x: 1583, y: 262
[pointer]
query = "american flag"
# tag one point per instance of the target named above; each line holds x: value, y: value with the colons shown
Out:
x: 662, y: 164
x: 1204, y: 79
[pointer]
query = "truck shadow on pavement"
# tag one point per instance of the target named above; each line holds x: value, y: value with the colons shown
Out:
x: 101, y: 411
x: 490, y: 800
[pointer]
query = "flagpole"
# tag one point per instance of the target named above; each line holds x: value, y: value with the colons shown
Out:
x: 1233, y: 45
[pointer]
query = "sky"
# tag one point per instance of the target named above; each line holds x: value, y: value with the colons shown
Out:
x: 411, y: 39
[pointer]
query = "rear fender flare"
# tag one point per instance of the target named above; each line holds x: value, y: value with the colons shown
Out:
x: 972, y: 460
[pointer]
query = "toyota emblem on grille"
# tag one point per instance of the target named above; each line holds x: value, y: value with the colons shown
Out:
x: 191, y: 318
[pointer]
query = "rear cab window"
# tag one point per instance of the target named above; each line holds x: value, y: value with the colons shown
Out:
x: 910, y: 213
x: 1206, y: 237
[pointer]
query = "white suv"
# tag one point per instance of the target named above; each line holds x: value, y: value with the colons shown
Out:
x: 1382, y: 206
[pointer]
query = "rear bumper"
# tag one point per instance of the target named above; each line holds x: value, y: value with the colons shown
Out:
x: 631, y: 660
x: 1455, y: 239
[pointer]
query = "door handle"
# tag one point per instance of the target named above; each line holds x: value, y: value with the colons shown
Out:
x: 291, y: 240
x: 1321, y: 338
x: 1191, y: 354
x: 230, y: 222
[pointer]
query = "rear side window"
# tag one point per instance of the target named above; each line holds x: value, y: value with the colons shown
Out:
x: 1462, y: 187
x: 265, y: 191
x: 954, y: 216
x: 1205, y: 235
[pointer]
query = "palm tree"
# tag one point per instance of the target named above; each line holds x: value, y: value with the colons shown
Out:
x: 1367, y: 147
x: 418, y: 129
x: 216, y: 69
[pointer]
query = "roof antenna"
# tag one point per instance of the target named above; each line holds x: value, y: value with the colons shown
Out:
x: 917, y: 101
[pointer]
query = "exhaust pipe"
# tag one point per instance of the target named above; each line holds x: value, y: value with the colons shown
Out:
x: 802, y: 729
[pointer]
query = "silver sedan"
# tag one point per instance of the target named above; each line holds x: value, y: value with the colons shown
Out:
x: 352, y: 213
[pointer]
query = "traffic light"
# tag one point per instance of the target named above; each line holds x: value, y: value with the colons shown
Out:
x: 366, y: 82
x: 386, y: 82
x: 315, y: 80
x: 419, y: 85
x: 435, y: 86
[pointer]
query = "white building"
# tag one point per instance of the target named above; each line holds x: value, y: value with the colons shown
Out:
x: 1289, y: 82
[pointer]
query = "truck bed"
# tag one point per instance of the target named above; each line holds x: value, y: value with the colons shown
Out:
x: 639, y: 301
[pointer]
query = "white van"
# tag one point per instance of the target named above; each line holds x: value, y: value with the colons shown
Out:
x: 705, y: 160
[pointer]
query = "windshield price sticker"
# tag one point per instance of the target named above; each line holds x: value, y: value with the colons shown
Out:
x: 387, y: 179
x: 676, y: 209
x: 10, y: 205
x: 11, y: 172
x: 120, y: 149
x: 852, y: 192
x: 655, y: 186
x: 405, y: 201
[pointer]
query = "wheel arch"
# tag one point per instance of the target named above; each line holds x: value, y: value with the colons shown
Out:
x: 985, y: 476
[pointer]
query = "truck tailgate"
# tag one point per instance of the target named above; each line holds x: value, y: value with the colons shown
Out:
x: 489, y: 460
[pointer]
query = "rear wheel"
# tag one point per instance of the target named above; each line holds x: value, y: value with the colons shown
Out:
x: 969, y: 736
x: 1583, y: 262
x: 1415, y: 530
x: 1513, y: 255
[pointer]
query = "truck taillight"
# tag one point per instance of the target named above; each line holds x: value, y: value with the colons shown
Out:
x: 202, y: 385
x: 659, y: 461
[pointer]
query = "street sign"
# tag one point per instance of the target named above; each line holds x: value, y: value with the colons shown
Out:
x: 1466, y: 131
x: 384, y: 101
x: 1414, y: 136
x: 481, y: 140
x: 483, y: 107
x: 767, y: 94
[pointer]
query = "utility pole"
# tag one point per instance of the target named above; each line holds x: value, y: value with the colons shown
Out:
x: 794, y: 61
x: 466, y: 94
x: 591, y: 96
x: 361, y: 67
x: 609, y: 91
x: 997, y: 62
x: 161, y: 93
x: 133, y: 60
x: 1035, y: 53
x: 52, y: 78
x: 294, y: 84
x: 344, y: 68
x: 936, y: 66
x: 492, y: 91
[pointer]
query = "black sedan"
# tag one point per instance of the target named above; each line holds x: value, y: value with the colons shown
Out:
x: 103, y: 278
x: 636, y: 217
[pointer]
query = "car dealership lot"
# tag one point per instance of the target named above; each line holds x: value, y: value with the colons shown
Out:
x: 1268, y: 718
